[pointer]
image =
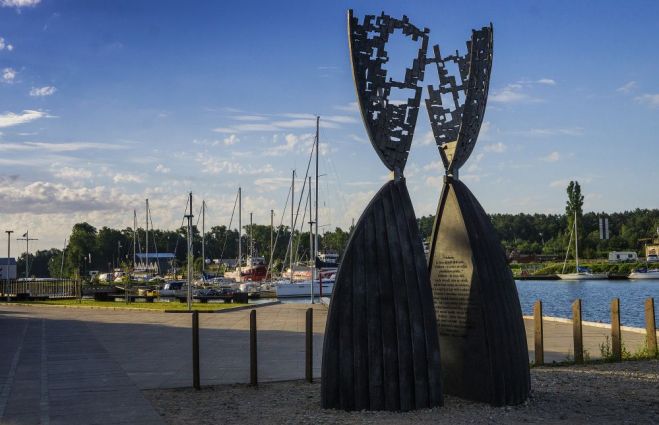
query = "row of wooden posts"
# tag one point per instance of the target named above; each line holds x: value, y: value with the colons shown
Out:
x: 253, y: 357
x: 616, y: 340
x: 577, y: 332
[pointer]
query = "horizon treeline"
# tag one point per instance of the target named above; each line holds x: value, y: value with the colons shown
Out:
x: 103, y: 249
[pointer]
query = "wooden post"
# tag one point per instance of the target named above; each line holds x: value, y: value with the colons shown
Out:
x: 616, y: 341
x: 650, y: 327
x: 253, y: 375
x: 309, y: 346
x: 577, y: 333
x: 195, y: 351
x: 539, y: 337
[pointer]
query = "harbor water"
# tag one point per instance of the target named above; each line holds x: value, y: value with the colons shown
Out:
x: 558, y: 295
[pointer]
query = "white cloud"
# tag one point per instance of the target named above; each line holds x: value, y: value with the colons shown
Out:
x: 290, y: 142
x: 559, y: 183
x: 434, y: 181
x: 8, y: 75
x: 4, y: 44
x: 562, y: 183
x: 542, y: 132
x: 517, y: 92
x: 552, y: 157
x: 627, y: 87
x: 19, y: 3
x: 57, y: 147
x: 249, y: 118
x: 70, y: 173
x: 486, y: 128
x: 127, y: 178
x: 648, y: 99
x: 495, y: 147
x: 350, y: 107
x: 162, y: 169
x: 9, y: 119
x: 212, y: 165
x: 470, y: 178
x: 512, y: 93
x: 270, y: 184
x: 45, y: 197
x: 427, y: 139
x: 232, y: 139
x: 434, y: 166
x: 294, y: 120
x: 246, y: 127
x: 42, y: 91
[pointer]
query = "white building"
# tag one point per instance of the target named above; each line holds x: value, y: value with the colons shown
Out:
x: 7, y: 267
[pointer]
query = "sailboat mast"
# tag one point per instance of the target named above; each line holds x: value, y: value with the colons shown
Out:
x: 251, y: 236
x: 576, y: 241
x: 146, y: 263
x: 134, y: 239
x: 190, y: 255
x: 203, y: 235
x: 240, y: 230
x: 290, y: 258
x: 311, y: 250
x: 315, y: 246
x: 272, y: 245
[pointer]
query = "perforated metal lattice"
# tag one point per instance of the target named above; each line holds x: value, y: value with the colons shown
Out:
x: 456, y: 125
x: 390, y: 125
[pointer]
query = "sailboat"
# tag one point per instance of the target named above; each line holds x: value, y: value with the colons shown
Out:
x: 582, y: 273
x: 313, y: 280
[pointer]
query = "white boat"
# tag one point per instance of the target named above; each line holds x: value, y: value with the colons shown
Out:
x: 581, y: 273
x: 644, y: 274
x: 303, y: 289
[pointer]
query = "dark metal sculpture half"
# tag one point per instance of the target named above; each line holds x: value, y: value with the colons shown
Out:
x: 381, y: 349
x: 481, y: 330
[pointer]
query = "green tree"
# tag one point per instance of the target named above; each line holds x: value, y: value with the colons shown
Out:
x: 112, y: 247
x: 81, y: 248
x: 574, y: 208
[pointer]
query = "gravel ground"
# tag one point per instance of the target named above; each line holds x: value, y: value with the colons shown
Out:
x: 606, y: 393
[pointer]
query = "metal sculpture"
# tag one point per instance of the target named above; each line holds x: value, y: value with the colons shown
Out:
x: 381, y: 349
x: 481, y: 331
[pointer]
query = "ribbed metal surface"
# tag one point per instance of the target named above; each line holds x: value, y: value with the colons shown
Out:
x: 483, y: 340
x: 381, y: 349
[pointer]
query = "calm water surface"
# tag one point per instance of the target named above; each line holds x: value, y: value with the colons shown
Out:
x: 558, y: 295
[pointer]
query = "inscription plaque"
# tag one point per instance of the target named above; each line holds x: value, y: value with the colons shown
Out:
x: 479, y: 319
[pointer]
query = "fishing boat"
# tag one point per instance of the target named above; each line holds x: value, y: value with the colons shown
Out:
x: 644, y: 273
x: 581, y: 273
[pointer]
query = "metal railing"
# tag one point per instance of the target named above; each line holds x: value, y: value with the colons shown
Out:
x: 51, y: 288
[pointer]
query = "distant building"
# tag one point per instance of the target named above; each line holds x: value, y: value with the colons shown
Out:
x: 7, y: 265
x: 162, y: 262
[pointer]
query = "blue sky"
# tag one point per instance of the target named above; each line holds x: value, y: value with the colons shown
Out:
x: 103, y: 104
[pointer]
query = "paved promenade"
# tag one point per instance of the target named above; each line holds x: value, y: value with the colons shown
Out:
x: 73, y: 365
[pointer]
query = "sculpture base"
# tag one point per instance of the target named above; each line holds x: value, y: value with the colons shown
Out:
x: 481, y: 329
x: 381, y: 350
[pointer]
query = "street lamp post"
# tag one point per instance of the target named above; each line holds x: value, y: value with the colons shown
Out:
x: 26, y: 237
x: 8, y: 232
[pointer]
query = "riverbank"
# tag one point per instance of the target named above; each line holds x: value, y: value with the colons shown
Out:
x: 604, y: 393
